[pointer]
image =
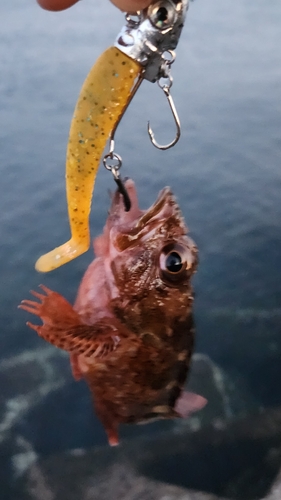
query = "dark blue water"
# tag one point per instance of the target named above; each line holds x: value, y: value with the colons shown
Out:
x: 225, y: 171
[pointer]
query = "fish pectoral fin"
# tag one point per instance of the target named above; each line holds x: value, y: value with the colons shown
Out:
x: 92, y: 341
x: 188, y: 403
x: 53, y: 309
x: 64, y: 328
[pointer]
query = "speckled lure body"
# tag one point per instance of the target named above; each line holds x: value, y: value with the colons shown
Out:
x: 101, y: 103
x: 105, y: 94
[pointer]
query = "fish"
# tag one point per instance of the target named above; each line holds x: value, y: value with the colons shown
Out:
x: 130, y: 333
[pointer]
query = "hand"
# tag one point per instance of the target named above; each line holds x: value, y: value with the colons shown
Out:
x: 125, y: 5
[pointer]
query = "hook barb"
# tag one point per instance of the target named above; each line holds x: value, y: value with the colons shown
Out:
x: 163, y: 147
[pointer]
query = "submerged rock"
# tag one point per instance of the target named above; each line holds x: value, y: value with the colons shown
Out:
x: 275, y: 492
x: 211, y: 456
x: 238, y: 461
x: 118, y: 482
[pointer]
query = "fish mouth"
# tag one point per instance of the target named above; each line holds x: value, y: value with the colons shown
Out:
x: 118, y: 214
x: 164, y: 207
x: 164, y: 215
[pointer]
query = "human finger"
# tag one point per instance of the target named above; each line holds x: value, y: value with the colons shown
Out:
x: 131, y: 5
x: 125, y: 5
x: 56, y: 4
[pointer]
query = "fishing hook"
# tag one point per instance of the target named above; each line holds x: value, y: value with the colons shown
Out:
x: 168, y: 59
x: 166, y: 90
x: 114, y: 169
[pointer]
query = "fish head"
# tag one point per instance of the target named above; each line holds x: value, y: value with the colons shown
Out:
x: 148, y: 256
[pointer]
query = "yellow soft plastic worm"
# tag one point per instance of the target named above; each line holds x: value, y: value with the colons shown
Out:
x: 101, y: 103
x: 104, y: 97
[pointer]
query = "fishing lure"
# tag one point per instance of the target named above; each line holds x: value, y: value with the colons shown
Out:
x: 144, y: 49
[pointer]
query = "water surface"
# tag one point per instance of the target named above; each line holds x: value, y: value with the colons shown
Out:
x: 225, y: 171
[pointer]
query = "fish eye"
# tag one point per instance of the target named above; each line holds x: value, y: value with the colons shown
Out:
x: 162, y: 14
x: 175, y: 262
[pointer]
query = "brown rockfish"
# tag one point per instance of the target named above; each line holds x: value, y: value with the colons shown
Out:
x: 130, y: 332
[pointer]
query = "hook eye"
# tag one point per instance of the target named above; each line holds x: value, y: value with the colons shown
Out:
x: 162, y: 14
